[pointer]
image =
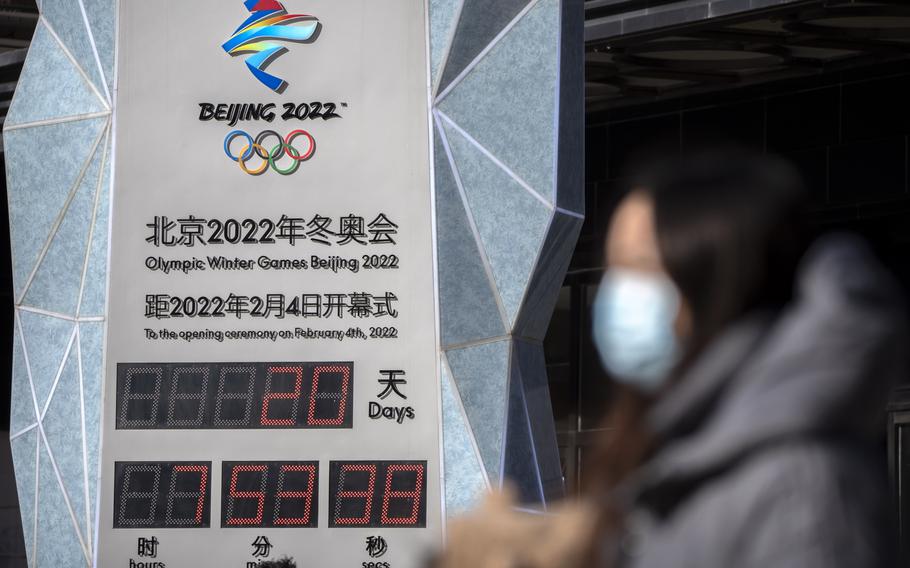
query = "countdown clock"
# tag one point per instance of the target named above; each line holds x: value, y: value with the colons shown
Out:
x: 152, y: 396
x: 248, y: 433
x: 270, y: 494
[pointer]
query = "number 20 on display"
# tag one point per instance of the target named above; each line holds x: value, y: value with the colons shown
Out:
x: 237, y: 396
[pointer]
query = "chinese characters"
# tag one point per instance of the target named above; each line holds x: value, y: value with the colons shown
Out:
x: 191, y: 231
x: 358, y: 305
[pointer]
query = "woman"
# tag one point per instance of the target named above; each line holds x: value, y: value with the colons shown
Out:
x: 754, y: 371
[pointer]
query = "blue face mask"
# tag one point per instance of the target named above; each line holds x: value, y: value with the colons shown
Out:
x: 633, y: 327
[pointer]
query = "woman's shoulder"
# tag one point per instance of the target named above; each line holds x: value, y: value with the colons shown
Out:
x: 823, y: 501
x: 808, y: 503
x: 818, y: 475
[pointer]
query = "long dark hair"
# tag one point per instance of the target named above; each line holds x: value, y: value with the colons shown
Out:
x: 731, y: 229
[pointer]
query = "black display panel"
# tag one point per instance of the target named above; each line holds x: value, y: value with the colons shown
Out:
x: 190, y: 396
x: 270, y: 494
x: 162, y: 495
x: 378, y: 494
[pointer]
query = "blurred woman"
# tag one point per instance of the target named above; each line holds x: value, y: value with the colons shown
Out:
x: 754, y: 371
x: 756, y: 374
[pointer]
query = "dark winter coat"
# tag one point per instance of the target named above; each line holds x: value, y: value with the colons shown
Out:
x: 772, y: 453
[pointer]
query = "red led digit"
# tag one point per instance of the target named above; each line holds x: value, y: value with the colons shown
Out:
x: 203, y: 472
x: 269, y: 396
x: 414, y: 495
x: 341, y: 397
x: 367, y: 495
x: 258, y: 495
x: 306, y: 496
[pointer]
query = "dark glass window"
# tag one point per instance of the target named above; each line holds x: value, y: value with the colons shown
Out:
x: 579, y: 388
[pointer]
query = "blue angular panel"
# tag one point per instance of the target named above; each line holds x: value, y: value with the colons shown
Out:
x: 50, y: 87
x: 529, y: 361
x: 548, y: 277
x: 512, y: 223
x: 46, y: 339
x: 570, y: 176
x: 481, y: 375
x: 442, y: 18
x: 94, y: 290
x: 102, y: 22
x: 480, y: 22
x: 91, y: 344
x: 467, y: 304
x: 464, y: 478
x: 38, y: 184
x: 66, y: 19
x: 58, y: 544
x: 25, y: 461
x: 523, y: 64
x: 520, y: 465
x: 63, y: 430
x: 56, y: 285
x: 22, y: 406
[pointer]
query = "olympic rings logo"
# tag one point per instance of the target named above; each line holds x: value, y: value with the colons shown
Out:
x: 255, y: 148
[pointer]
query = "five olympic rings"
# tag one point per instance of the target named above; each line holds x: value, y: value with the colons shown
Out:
x: 269, y: 157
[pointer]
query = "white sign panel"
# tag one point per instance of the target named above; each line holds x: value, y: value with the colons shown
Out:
x: 271, y: 380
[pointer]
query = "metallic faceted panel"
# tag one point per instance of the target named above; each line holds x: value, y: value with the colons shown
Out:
x: 36, y: 98
x: 468, y: 309
x: 464, y: 476
x: 570, y: 182
x: 25, y: 461
x: 520, y: 464
x: 94, y: 286
x: 66, y: 19
x: 443, y: 17
x: 543, y: 289
x: 511, y: 220
x: 38, y: 189
x: 58, y: 227
x: 528, y: 363
x: 23, y: 408
x: 481, y: 376
x: 63, y: 431
x: 91, y: 352
x: 47, y: 341
x: 510, y: 107
x: 57, y: 283
x: 519, y: 64
x: 480, y: 22
x: 102, y: 20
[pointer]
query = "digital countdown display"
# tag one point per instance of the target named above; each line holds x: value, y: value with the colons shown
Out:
x: 162, y: 495
x: 271, y: 386
x: 378, y: 494
x: 156, y: 396
x: 272, y: 494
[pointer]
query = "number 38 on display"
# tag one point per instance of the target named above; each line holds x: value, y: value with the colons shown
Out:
x: 384, y: 494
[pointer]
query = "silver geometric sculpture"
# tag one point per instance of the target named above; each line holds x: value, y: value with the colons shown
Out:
x: 508, y: 129
x: 57, y: 139
x: 507, y: 80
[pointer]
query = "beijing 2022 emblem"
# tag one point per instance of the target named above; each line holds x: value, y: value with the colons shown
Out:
x: 269, y: 21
